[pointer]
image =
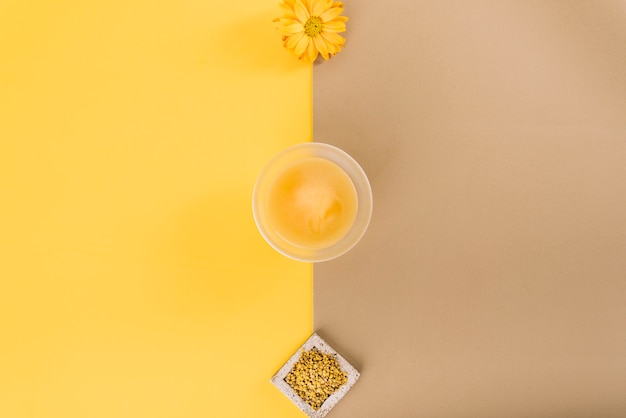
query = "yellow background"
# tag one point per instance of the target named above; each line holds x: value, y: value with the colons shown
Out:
x: 133, y: 281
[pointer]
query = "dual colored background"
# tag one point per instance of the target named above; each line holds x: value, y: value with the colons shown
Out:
x: 133, y: 281
x: 492, y: 279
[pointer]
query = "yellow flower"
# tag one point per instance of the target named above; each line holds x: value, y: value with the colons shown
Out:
x: 312, y: 27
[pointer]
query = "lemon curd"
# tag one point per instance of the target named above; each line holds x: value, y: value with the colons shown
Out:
x: 312, y: 203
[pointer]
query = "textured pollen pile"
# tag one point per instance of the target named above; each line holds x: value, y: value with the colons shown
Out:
x: 316, y: 376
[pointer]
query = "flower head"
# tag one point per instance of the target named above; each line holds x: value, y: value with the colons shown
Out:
x: 312, y: 27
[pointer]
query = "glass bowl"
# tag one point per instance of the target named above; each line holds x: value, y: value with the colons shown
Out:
x: 272, y: 178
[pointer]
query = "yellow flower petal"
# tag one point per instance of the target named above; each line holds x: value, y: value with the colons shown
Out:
x: 331, y: 13
x: 293, y: 28
x: 320, y: 6
x: 288, y: 21
x: 332, y: 49
x: 288, y: 11
x: 293, y: 40
x: 340, y: 19
x: 301, y: 11
x: 302, y: 45
x: 334, y: 39
x: 334, y: 26
x: 321, y: 46
x: 312, y: 52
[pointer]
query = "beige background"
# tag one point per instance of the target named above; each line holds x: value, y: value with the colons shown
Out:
x: 492, y: 280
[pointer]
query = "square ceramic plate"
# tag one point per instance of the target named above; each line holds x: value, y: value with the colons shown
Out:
x: 315, y: 342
